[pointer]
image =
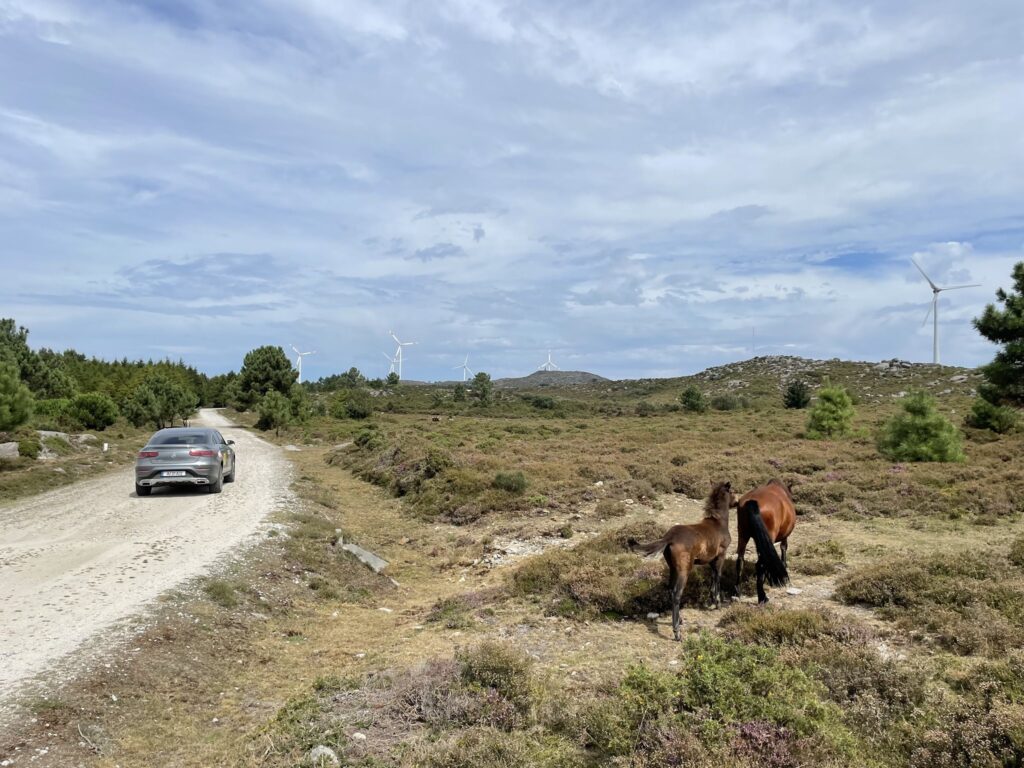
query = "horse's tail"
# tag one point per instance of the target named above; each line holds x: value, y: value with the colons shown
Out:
x: 767, y: 558
x: 650, y: 548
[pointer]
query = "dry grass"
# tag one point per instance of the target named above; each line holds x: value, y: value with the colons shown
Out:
x: 553, y: 668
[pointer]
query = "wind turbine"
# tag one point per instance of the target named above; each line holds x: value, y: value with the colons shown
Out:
x: 391, y: 360
x: 398, y: 352
x: 933, y: 310
x: 298, y: 358
x: 466, y: 373
x: 549, y: 365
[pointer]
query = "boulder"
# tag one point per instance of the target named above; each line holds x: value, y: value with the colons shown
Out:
x: 8, y: 450
x: 321, y: 757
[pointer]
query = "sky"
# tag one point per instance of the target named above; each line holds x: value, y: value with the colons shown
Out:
x: 644, y: 188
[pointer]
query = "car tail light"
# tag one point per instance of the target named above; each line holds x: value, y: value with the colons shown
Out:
x: 148, y: 454
x: 199, y: 452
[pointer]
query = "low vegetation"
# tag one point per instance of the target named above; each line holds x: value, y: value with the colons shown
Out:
x: 964, y: 602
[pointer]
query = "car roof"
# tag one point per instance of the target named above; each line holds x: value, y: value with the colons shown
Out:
x: 173, y: 430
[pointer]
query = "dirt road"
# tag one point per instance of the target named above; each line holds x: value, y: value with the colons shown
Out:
x: 79, y: 558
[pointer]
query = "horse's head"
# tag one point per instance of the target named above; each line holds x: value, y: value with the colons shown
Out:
x: 721, y: 498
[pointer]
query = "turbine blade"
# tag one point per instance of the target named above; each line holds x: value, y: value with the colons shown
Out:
x: 934, y: 287
x: 929, y: 314
x: 954, y: 287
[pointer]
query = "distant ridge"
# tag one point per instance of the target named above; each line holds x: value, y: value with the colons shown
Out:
x: 539, y: 379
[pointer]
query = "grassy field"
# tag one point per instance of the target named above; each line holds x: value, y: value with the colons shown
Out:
x: 511, y: 626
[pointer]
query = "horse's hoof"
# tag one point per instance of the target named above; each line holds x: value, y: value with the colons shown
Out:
x: 763, y: 602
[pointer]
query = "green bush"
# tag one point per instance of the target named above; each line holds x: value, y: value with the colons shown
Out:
x: 832, y: 415
x: 275, y: 411
x: 997, y: 418
x: 920, y: 433
x: 1017, y: 552
x: 93, y: 410
x: 352, y: 404
x: 15, y: 399
x: 644, y: 408
x: 513, y: 482
x: 728, y: 402
x: 722, y: 688
x: 797, y: 395
x: 692, y: 399
x: 29, y: 447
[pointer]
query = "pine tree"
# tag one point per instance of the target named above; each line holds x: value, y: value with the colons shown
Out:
x: 920, y: 433
x: 692, y: 399
x: 1005, y: 374
x: 832, y: 415
x: 15, y: 399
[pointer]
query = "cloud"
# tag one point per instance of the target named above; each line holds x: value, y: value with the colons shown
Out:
x: 635, y: 187
x: 438, y: 251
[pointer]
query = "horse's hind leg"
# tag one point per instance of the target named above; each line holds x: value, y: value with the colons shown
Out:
x: 762, y: 598
x: 678, y: 571
x: 784, y: 547
x: 739, y: 565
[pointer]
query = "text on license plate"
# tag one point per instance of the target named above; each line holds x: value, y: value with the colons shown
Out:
x: 172, y: 474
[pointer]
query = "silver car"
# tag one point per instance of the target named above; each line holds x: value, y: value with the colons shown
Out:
x: 185, y: 456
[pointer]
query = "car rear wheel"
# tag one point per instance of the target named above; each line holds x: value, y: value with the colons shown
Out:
x: 217, y: 486
x: 143, y: 490
x: 234, y: 469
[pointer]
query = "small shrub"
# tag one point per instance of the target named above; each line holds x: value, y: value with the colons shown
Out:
x: 996, y: 418
x: 692, y: 399
x: 566, y: 531
x: 920, y: 433
x: 221, y: 592
x: 607, y: 508
x: 501, y: 668
x: 58, y: 445
x: 728, y: 402
x: 93, y: 410
x: 512, y: 482
x: 1017, y: 552
x: 644, y: 408
x: 832, y: 415
x: 452, y: 613
x: 29, y: 447
x: 797, y: 395
x: 776, y: 627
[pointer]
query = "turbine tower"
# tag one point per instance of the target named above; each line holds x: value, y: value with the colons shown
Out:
x: 933, y: 310
x: 398, y: 351
x: 466, y: 373
x: 298, y: 359
x: 548, y: 365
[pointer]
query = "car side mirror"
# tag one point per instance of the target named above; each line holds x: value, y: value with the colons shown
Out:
x: 231, y: 442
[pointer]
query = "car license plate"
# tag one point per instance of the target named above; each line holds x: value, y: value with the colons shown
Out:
x: 173, y: 474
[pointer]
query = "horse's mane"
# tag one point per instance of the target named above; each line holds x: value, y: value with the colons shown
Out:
x: 713, y: 504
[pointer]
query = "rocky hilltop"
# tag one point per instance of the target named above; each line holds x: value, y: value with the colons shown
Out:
x: 554, y: 379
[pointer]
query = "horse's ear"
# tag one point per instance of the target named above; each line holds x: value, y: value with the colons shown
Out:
x: 728, y: 485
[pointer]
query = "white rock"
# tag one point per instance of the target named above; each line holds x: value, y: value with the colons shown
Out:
x: 653, y: 615
x: 359, y: 736
x: 793, y: 591
x: 322, y: 756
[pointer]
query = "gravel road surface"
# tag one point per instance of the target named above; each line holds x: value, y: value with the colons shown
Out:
x: 75, y: 560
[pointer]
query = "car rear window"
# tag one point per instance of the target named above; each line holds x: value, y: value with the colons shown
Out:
x: 185, y: 438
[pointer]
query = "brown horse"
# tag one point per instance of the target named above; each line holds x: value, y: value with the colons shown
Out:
x: 701, y: 543
x: 767, y: 515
